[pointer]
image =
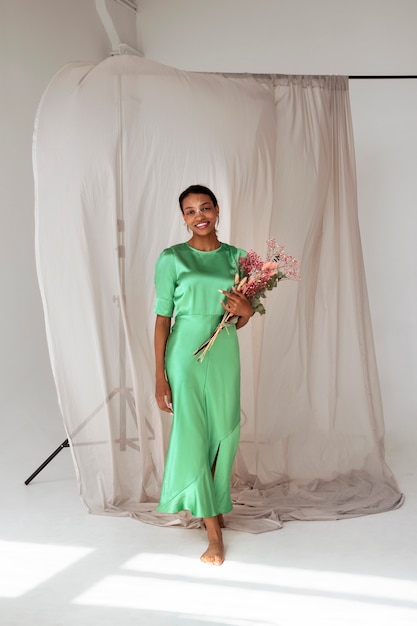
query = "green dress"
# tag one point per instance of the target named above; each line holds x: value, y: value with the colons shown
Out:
x: 206, y: 395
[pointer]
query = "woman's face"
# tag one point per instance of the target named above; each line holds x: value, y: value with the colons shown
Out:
x: 200, y: 214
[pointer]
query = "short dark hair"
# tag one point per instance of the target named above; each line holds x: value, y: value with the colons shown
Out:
x: 197, y: 189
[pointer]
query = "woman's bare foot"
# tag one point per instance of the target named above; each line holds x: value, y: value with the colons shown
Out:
x: 214, y: 554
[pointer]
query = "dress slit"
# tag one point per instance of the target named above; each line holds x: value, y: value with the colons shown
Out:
x: 213, y: 466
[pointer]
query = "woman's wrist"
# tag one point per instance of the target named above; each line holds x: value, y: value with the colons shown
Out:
x: 250, y: 315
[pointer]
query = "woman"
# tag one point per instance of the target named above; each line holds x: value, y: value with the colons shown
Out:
x: 204, y: 397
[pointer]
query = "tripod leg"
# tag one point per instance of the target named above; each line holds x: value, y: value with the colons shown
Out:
x: 64, y: 444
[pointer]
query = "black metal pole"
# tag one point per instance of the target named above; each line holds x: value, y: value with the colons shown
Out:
x: 387, y: 77
x: 64, y: 444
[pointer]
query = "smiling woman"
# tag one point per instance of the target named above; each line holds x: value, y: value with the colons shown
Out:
x: 204, y: 398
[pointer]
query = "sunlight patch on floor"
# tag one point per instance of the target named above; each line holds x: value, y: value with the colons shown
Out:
x: 302, y: 579
x: 240, y: 594
x: 24, y: 566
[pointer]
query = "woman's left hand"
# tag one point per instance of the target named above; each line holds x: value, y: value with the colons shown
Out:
x: 237, y: 303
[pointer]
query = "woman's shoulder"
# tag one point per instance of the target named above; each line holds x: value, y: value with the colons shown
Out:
x: 235, y: 251
x: 172, y: 250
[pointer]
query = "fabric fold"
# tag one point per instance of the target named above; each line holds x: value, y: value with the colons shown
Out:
x: 114, y: 144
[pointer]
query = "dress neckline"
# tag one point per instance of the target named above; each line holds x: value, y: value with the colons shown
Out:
x: 204, y: 251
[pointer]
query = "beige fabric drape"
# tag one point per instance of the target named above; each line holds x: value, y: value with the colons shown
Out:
x: 114, y: 145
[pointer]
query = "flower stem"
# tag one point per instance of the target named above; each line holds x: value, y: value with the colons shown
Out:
x: 205, y: 347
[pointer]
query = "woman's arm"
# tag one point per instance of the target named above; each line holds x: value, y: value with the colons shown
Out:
x: 162, y: 388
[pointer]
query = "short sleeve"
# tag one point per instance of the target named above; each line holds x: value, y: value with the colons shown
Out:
x: 240, y: 253
x: 165, y: 282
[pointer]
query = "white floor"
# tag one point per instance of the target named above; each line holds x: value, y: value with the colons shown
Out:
x: 60, y: 566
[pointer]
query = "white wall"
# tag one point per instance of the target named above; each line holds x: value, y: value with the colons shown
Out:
x: 280, y: 36
x: 36, y: 39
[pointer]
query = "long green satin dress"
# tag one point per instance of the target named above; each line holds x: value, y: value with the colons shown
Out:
x: 206, y: 395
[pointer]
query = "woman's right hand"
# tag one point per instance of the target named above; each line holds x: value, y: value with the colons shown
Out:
x: 163, y: 395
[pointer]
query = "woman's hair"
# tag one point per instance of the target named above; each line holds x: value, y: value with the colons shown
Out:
x: 197, y: 189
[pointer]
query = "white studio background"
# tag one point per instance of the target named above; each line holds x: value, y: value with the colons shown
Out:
x: 37, y: 38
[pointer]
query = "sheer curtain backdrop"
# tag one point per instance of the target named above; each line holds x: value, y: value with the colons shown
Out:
x: 114, y: 145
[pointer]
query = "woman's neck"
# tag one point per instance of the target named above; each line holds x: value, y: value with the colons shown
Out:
x: 204, y: 244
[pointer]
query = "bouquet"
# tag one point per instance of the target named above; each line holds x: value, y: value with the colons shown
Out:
x: 254, y: 277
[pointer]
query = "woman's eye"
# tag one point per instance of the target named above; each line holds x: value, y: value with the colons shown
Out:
x: 190, y: 213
